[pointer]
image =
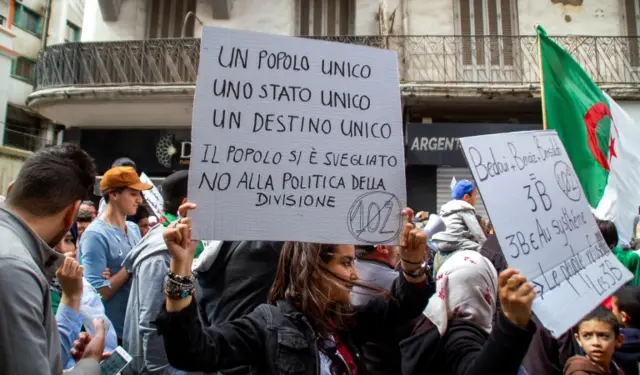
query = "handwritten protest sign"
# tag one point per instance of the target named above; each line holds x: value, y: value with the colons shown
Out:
x: 544, y: 224
x: 296, y: 139
x: 152, y: 196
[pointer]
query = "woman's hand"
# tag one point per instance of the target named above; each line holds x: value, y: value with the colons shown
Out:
x: 178, y: 239
x: 516, y: 296
x: 70, y: 278
x: 413, y: 247
x: 413, y: 241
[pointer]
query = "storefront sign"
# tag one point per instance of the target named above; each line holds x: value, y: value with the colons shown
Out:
x: 438, y: 144
x: 157, y: 152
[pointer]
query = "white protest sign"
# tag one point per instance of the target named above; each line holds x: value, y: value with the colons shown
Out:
x: 152, y: 196
x: 544, y: 224
x: 296, y: 139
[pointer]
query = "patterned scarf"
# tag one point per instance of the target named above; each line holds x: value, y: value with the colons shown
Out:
x: 466, y: 288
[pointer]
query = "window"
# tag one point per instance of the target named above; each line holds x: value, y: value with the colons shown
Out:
x: 632, y: 15
x: 166, y: 17
x: 3, y: 20
x: 27, y: 19
x: 326, y: 17
x: 486, y: 27
x: 73, y: 33
x: 22, y: 68
x: 22, y: 130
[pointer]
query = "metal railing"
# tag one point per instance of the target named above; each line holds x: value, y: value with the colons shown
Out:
x: 454, y: 60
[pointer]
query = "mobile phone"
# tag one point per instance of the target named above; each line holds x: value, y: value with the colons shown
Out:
x: 116, y: 362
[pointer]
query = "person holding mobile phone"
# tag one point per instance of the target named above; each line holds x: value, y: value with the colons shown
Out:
x: 40, y: 208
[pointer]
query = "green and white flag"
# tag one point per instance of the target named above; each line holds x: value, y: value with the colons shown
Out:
x: 602, y: 140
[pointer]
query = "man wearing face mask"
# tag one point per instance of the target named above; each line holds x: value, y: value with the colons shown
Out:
x: 40, y: 207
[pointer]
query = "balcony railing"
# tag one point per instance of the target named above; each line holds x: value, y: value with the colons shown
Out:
x: 454, y: 60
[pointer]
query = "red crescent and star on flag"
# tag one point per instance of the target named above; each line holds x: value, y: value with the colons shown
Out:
x: 591, y: 119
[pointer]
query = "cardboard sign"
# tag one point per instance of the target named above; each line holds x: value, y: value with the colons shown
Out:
x: 152, y: 196
x: 296, y: 139
x: 544, y: 224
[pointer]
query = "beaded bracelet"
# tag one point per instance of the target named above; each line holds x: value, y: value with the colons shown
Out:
x: 180, y: 279
x: 174, y: 289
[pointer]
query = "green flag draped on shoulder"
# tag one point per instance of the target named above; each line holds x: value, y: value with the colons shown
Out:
x: 590, y: 125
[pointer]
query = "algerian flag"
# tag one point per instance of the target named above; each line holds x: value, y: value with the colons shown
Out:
x: 602, y: 141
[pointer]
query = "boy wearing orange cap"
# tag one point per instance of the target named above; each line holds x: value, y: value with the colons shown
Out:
x: 109, y: 238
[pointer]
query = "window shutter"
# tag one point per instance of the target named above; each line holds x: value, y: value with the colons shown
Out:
x: 507, y: 31
x: 479, y: 22
x: 630, y: 11
x: 465, y: 31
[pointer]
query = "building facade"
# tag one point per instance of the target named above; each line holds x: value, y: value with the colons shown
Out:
x: 466, y: 67
x: 26, y: 27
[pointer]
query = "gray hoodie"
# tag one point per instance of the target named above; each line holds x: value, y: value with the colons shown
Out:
x: 148, y: 262
x: 463, y: 230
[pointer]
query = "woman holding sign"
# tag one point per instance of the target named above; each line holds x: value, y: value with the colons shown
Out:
x: 309, y: 325
x: 458, y: 335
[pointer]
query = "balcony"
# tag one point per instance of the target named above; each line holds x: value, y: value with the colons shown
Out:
x: 127, y: 72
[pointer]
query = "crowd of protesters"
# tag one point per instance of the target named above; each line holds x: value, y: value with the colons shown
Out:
x: 80, y: 279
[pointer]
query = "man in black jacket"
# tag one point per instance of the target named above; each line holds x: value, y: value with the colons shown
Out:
x: 235, y: 282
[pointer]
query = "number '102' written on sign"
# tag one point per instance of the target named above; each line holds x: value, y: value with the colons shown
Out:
x: 369, y: 217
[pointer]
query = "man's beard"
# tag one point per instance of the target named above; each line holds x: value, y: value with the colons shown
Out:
x: 58, y: 238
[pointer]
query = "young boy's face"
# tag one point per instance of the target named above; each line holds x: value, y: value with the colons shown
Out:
x: 472, y: 197
x: 598, y: 340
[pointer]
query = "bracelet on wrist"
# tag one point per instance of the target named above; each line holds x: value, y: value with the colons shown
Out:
x: 411, y: 262
x: 415, y: 273
x: 178, y: 294
x: 180, y: 279
x: 177, y: 290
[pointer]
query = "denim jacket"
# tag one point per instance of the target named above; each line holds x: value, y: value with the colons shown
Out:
x: 279, y: 339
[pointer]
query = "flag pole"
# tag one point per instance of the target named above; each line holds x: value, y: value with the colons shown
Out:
x: 544, y: 107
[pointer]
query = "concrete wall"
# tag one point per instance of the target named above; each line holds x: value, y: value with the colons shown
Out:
x: 434, y: 17
x: 18, y: 91
x: 61, y: 12
x: 131, y: 23
x: 11, y: 161
x: 4, y: 10
x: 26, y: 43
x: 274, y: 16
x: 5, y: 87
x: 601, y: 17
x: 75, y: 11
x: 413, y: 17
x: 6, y: 41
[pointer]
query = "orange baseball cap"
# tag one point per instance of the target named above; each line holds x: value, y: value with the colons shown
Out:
x: 119, y: 177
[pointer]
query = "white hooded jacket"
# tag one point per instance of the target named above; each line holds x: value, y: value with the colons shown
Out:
x: 463, y: 230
